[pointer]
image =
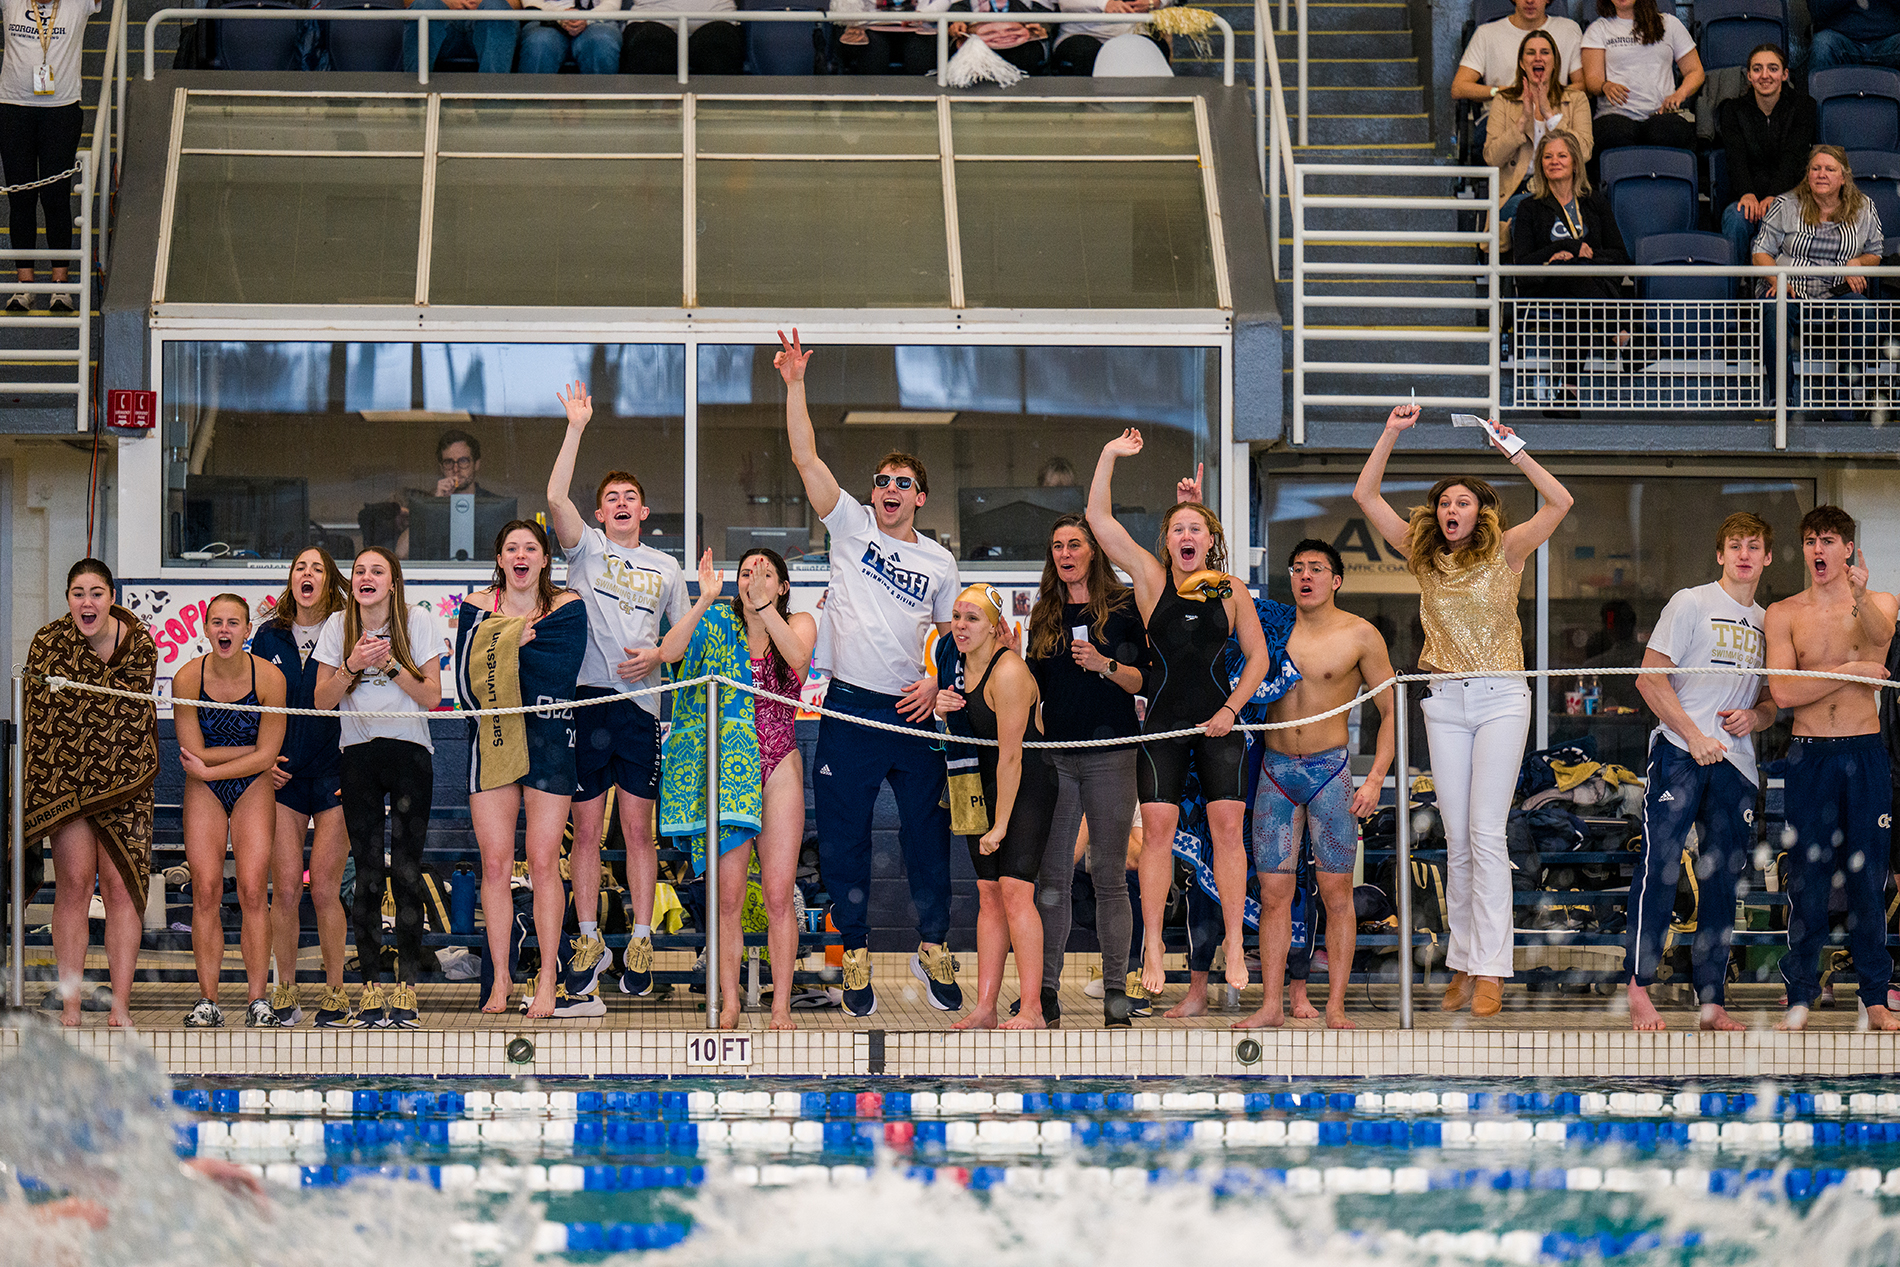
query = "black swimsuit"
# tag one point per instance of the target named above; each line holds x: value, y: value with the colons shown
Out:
x: 229, y: 728
x: 1019, y: 857
x: 1186, y: 685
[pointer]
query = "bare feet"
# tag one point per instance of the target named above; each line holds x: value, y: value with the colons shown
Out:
x: 69, y: 1014
x: 1336, y: 1017
x: 1268, y: 1017
x: 1644, y: 1018
x: 1716, y: 1018
x: 497, y: 1003
x: 1237, y: 965
x: 729, y: 1014
x: 783, y: 1019
x: 982, y: 1018
x: 1025, y: 1018
x: 1882, y: 1018
x: 1153, y: 977
x: 1299, y: 1007
x: 119, y: 1019
x: 1796, y: 1020
x: 1195, y: 1004
x: 542, y: 1005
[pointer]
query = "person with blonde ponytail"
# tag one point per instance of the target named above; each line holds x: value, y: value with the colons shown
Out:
x: 1469, y: 563
x: 380, y: 655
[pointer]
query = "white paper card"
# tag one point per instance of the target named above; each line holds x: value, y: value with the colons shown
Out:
x: 1511, y: 445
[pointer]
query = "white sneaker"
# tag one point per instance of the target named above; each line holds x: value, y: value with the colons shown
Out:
x: 1094, y: 988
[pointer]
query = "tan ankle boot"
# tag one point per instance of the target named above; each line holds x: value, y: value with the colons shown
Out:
x: 1458, y: 993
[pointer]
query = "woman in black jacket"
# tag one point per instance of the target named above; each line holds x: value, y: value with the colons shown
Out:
x: 1564, y: 222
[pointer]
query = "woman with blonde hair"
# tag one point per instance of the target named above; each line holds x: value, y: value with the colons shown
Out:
x: 1469, y: 563
x: 381, y: 655
x: 1521, y: 116
x: 308, y: 779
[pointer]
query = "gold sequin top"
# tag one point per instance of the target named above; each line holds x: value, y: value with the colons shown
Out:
x: 1470, y: 618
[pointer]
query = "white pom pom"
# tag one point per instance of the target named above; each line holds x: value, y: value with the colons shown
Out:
x: 976, y: 63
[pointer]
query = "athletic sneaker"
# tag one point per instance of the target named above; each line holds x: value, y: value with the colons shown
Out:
x: 1139, y: 1003
x: 402, y: 1013
x: 205, y: 1015
x: 933, y: 965
x: 286, y: 1004
x: 62, y: 305
x: 1095, y: 987
x: 333, y: 1010
x: 586, y: 960
x: 859, y: 998
x: 372, y: 1010
x: 19, y: 305
x: 258, y: 1015
x: 568, y: 1005
x: 637, y: 979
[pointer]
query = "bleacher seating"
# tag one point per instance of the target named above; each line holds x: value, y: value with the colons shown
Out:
x: 1877, y: 174
x: 1650, y: 190
x: 1727, y: 30
x: 260, y: 46
x: 1859, y: 106
x: 362, y: 46
x: 785, y: 48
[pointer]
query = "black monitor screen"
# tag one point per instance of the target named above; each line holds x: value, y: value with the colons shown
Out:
x: 1012, y: 524
x: 254, y: 516
x: 430, y: 529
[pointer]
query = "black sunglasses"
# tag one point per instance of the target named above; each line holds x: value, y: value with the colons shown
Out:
x: 903, y: 482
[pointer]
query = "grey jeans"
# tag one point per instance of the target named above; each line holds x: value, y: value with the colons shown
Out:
x: 1096, y: 784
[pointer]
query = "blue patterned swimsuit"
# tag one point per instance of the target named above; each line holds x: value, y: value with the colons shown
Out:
x: 229, y: 728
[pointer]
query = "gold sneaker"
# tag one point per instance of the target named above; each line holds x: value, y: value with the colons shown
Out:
x: 403, y: 1011
x: 372, y: 1009
x: 637, y: 959
x: 333, y: 1010
x: 859, y: 998
x: 585, y: 962
x: 286, y: 1004
x: 937, y: 969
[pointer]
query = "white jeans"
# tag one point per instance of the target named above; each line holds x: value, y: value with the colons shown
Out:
x: 1476, y: 729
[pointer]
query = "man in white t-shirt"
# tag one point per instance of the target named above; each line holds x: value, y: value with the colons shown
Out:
x: 1490, y: 60
x: 629, y: 589
x: 1702, y: 767
x: 889, y: 585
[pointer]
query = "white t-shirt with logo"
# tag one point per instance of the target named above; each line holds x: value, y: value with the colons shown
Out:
x: 64, y: 47
x: 1702, y: 627
x: 627, y: 590
x: 1495, y: 45
x: 885, y: 596
x: 1647, y: 70
x: 378, y: 692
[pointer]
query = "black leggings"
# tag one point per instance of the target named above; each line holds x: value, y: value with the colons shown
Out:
x: 38, y: 141
x: 915, y: 54
x: 652, y: 48
x: 405, y: 773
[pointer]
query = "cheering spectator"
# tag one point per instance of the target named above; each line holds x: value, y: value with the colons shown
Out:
x: 1765, y: 133
x: 1491, y: 59
x: 39, y: 131
x: 595, y: 46
x: 712, y: 48
x: 492, y: 42
x: 1631, y: 54
x: 1024, y: 45
x: 1535, y: 105
x: 1855, y: 33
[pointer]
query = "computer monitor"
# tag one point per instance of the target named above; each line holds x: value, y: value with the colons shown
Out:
x: 667, y: 533
x: 1012, y: 524
x: 789, y: 542
x: 258, y: 516
x: 460, y: 527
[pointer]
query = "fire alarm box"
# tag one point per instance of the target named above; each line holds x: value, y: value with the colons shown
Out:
x: 131, y: 410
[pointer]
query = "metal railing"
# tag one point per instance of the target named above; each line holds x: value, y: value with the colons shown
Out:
x: 1273, y: 141
x: 78, y: 262
x: 681, y: 21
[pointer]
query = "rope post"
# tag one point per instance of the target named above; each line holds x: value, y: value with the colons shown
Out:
x: 712, y: 854
x: 1402, y: 821
x: 16, y: 836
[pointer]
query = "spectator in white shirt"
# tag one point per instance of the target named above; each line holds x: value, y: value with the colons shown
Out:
x: 1631, y: 55
x: 1490, y: 61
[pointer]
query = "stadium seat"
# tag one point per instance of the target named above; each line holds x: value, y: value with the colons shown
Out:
x: 364, y: 46
x: 1859, y: 106
x: 782, y: 48
x: 257, y: 45
x: 1719, y: 195
x: 1650, y: 190
x: 1729, y: 29
x: 1877, y: 174
x: 1684, y: 248
x: 1703, y: 325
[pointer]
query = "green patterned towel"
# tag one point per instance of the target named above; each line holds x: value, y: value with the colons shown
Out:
x: 718, y: 648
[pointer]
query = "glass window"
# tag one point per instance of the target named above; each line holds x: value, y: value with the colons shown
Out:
x: 816, y: 127
x: 507, y: 125
x: 1074, y: 128
x: 270, y: 447
x: 348, y: 124
x: 1009, y: 438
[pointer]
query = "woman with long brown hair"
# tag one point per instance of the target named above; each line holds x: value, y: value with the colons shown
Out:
x: 1469, y: 563
x: 308, y: 779
x: 1189, y: 605
x: 1631, y: 57
x: 1538, y: 103
x: 520, y: 641
x: 379, y: 654
x: 1087, y: 649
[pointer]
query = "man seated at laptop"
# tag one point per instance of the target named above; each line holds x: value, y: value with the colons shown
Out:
x: 458, y: 460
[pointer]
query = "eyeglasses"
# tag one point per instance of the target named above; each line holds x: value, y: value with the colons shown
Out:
x: 457, y: 464
x: 903, y: 482
x: 1317, y: 569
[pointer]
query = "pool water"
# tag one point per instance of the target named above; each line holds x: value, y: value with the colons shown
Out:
x: 767, y: 1171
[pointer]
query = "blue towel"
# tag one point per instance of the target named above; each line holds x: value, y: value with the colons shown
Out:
x: 531, y: 748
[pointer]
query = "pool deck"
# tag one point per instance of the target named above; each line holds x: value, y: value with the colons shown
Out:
x: 1537, y: 1035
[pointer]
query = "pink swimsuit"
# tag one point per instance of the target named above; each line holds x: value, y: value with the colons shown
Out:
x: 772, y: 719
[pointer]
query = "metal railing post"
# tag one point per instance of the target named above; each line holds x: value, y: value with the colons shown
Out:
x: 684, y: 33
x: 83, y: 274
x: 423, y: 55
x: 1300, y: 52
x: 1781, y: 360
x: 1402, y: 821
x: 712, y: 854
x: 16, y: 835
x: 943, y: 52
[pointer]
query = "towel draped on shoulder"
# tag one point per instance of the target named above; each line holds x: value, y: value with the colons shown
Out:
x: 495, y: 669
x: 718, y: 647
x: 94, y: 756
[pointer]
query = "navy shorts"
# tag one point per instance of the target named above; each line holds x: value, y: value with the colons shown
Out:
x: 615, y: 745
x: 310, y: 795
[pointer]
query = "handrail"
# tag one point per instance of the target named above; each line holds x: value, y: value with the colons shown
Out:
x: 105, y: 142
x: 942, y: 20
x: 1266, y: 70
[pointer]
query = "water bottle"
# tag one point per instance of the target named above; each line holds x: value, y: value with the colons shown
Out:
x: 1592, y: 697
x: 464, y: 887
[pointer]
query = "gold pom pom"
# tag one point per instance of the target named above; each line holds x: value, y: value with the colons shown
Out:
x: 1193, y: 25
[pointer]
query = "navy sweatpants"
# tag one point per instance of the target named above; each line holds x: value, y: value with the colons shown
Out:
x: 851, y: 763
x: 1840, y: 805
x: 1719, y: 803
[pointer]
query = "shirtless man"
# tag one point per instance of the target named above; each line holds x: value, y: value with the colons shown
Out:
x: 1306, y: 778
x: 1839, y: 792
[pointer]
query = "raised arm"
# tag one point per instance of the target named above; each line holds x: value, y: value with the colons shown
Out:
x: 680, y: 636
x: 1873, y: 610
x: 1521, y: 540
x: 1387, y: 521
x: 1144, y: 570
x: 821, y: 486
x: 562, y: 513
x: 1375, y: 666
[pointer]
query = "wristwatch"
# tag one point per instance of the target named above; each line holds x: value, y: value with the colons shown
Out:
x: 1495, y: 90
x: 1112, y: 669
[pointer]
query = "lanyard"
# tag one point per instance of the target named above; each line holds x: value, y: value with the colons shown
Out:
x: 43, y: 21
x: 1575, y: 227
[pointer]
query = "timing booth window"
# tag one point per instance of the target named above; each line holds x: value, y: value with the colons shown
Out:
x: 425, y: 448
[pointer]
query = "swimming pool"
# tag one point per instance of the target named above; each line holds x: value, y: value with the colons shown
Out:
x: 1031, y: 1170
